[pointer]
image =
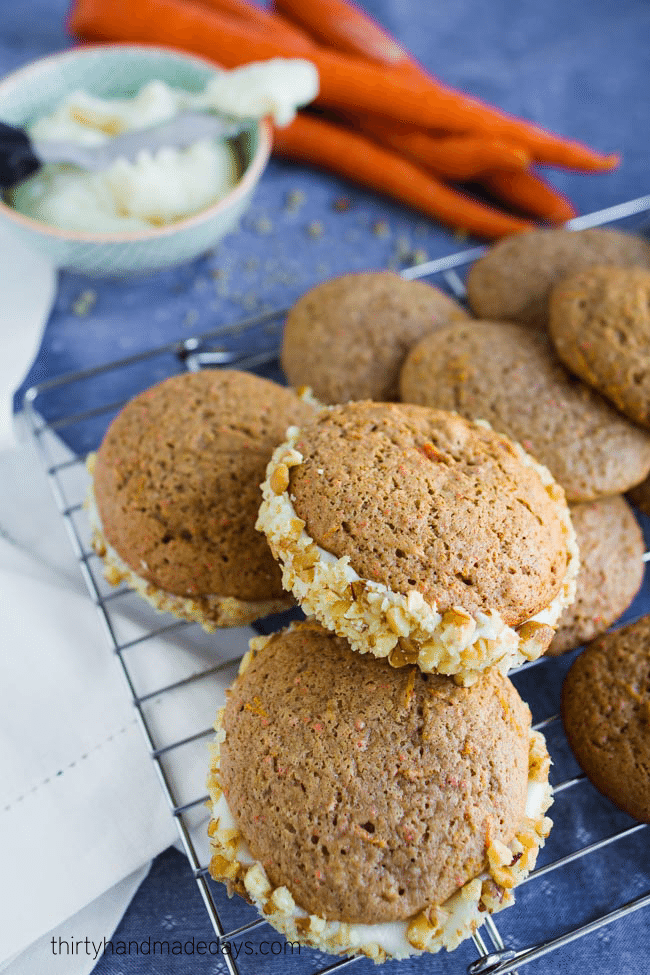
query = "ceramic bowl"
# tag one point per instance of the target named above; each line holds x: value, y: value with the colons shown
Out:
x: 119, y: 70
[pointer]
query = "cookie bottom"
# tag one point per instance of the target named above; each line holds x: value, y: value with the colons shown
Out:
x: 434, y: 928
x: 211, y: 611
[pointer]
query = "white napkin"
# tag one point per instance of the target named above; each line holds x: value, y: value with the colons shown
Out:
x: 81, y: 808
x: 95, y: 922
x: 80, y: 802
x: 28, y: 287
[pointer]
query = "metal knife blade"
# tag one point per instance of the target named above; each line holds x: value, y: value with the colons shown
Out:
x: 179, y: 132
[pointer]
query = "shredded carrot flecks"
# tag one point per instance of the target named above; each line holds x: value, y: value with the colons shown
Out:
x: 431, y: 453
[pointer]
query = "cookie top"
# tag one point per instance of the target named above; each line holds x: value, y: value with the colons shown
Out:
x: 513, y: 280
x: 421, y: 499
x: 509, y: 375
x: 347, y: 337
x: 600, y: 324
x: 369, y: 792
x: 606, y: 714
x: 417, y: 534
x: 611, y: 571
x: 177, y: 482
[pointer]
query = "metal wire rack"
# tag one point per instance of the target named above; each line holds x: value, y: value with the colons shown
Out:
x: 64, y: 429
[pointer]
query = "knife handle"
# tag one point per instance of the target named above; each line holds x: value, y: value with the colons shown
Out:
x: 17, y: 157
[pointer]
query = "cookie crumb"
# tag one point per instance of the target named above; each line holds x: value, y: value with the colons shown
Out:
x: 262, y: 226
x: 294, y: 200
x: 315, y: 229
x: 342, y: 204
x: 381, y: 229
x: 84, y: 303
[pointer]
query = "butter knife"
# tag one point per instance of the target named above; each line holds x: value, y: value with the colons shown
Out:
x: 21, y: 156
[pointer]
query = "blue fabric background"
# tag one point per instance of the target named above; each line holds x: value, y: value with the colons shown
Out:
x: 580, y: 69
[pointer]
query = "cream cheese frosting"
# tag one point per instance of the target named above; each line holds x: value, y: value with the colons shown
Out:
x: 157, y: 188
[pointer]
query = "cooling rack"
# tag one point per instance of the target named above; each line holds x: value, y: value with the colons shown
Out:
x: 65, y: 429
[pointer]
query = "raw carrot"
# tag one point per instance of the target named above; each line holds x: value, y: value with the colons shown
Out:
x: 250, y: 13
x: 223, y: 37
x: 529, y: 193
x: 464, y: 158
x: 346, y: 82
x: 346, y: 27
x: 459, y: 157
x: 333, y: 147
x: 470, y: 158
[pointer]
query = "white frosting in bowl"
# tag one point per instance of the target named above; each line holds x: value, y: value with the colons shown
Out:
x: 155, y: 189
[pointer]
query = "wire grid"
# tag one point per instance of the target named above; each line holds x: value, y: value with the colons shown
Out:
x: 51, y: 415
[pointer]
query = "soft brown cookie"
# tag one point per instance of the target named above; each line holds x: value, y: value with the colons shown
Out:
x: 606, y: 714
x: 611, y: 571
x: 360, y: 806
x: 600, y: 324
x: 509, y: 375
x: 416, y: 534
x: 176, y: 488
x: 347, y: 337
x: 513, y: 280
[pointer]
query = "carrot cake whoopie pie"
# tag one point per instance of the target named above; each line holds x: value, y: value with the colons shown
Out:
x: 371, y: 810
x: 420, y: 536
x: 175, y: 493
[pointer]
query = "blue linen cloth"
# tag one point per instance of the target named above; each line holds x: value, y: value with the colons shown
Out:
x: 581, y: 70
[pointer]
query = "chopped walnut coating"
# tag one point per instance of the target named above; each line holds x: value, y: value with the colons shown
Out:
x: 403, y: 628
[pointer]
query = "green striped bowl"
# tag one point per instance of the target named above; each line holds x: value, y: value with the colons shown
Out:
x: 119, y: 70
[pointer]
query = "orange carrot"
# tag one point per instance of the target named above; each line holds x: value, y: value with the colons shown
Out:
x: 223, y: 37
x: 459, y: 157
x: 347, y: 28
x: 250, y: 13
x: 346, y: 82
x: 320, y: 143
x: 462, y: 158
x: 529, y: 193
